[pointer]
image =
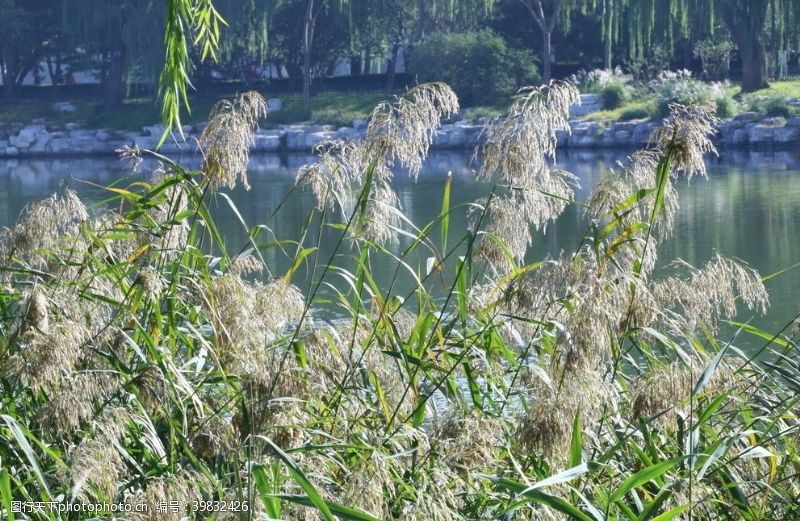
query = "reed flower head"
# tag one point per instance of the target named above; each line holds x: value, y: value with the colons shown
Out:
x: 37, y: 315
x: 470, y: 443
x: 246, y: 264
x: 334, y: 176
x: 41, y: 224
x: 711, y: 293
x: 42, y: 358
x: 73, y: 403
x: 397, y: 132
x: 226, y: 139
x: 404, y: 130
x: 518, y: 145
x: 184, y: 487
x: 370, y: 483
x: 132, y: 155
x: 517, y: 148
x: 686, y: 137
x: 150, y: 282
x: 95, y: 461
x: 547, y: 426
x: 215, y: 437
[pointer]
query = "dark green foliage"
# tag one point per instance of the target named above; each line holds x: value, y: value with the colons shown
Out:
x: 726, y: 107
x: 635, y: 113
x: 478, y: 65
x: 615, y: 95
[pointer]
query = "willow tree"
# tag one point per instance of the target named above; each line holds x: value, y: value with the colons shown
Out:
x: 640, y: 24
x: 392, y: 24
x: 751, y: 23
x: 245, y: 37
x: 548, y: 14
x: 119, y: 36
x: 28, y: 31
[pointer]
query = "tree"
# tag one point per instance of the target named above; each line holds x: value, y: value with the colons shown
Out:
x: 745, y: 20
x: 545, y: 13
x: 548, y: 14
x: 29, y: 29
x: 117, y: 38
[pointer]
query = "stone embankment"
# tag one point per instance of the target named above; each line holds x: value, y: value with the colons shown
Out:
x: 40, y: 139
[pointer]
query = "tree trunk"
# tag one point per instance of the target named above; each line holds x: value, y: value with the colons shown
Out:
x: 546, y: 22
x: 114, y: 81
x: 355, y: 65
x: 745, y: 20
x: 754, y: 64
x: 308, y: 38
x: 547, y: 55
x: 391, y: 67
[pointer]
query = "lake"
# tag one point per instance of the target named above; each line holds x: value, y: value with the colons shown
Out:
x: 749, y: 208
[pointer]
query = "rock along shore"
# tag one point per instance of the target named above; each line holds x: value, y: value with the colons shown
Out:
x: 39, y: 139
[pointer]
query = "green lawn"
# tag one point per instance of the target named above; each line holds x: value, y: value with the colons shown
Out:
x: 762, y: 102
x: 326, y: 108
x: 332, y: 108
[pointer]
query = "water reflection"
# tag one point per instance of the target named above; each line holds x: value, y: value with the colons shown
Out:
x: 749, y: 208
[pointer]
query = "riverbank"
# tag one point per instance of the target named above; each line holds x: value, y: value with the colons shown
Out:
x: 41, y: 139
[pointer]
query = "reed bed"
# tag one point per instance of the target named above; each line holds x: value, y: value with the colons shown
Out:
x: 151, y: 367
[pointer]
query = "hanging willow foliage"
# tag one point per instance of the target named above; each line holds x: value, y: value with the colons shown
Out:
x: 638, y: 25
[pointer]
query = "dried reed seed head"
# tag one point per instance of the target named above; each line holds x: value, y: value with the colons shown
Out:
x: 95, y: 462
x: 216, y: 436
x: 152, y: 389
x: 516, y: 147
x: 184, y: 487
x: 379, y: 220
x: 131, y: 155
x: 434, y: 499
x: 40, y: 359
x: 686, y: 136
x: 403, y: 322
x: 711, y: 292
x: 73, y: 404
x: 247, y: 314
x: 286, y: 422
x: 279, y: 304
x: 246, y: 264
x: 41, y: 224
x: 226, y: 140
x: 334, y: 177
x: 370, y: 484
x: 470, y: 443
x: 404, y: 130
x: 37, y: 314
x: 505, y: 232
x: 150, y: 282
x: 666, y: 391
x: 546, y: 428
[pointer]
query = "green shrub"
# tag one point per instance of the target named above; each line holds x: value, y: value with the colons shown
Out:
x: 291, y: 113
x: 778, y: 108
x: 615, y: 95
x: 768, y: 105
x: 480, y: 66
x: 680, y: 87
x: 726, y: 107
x: 635, y: 113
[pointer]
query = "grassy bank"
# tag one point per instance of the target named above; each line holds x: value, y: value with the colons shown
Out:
x: 145, y: 360
x: 651, y: 101
x: 328, y: 108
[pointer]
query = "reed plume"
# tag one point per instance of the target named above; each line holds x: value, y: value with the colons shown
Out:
x: 226, y: 140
